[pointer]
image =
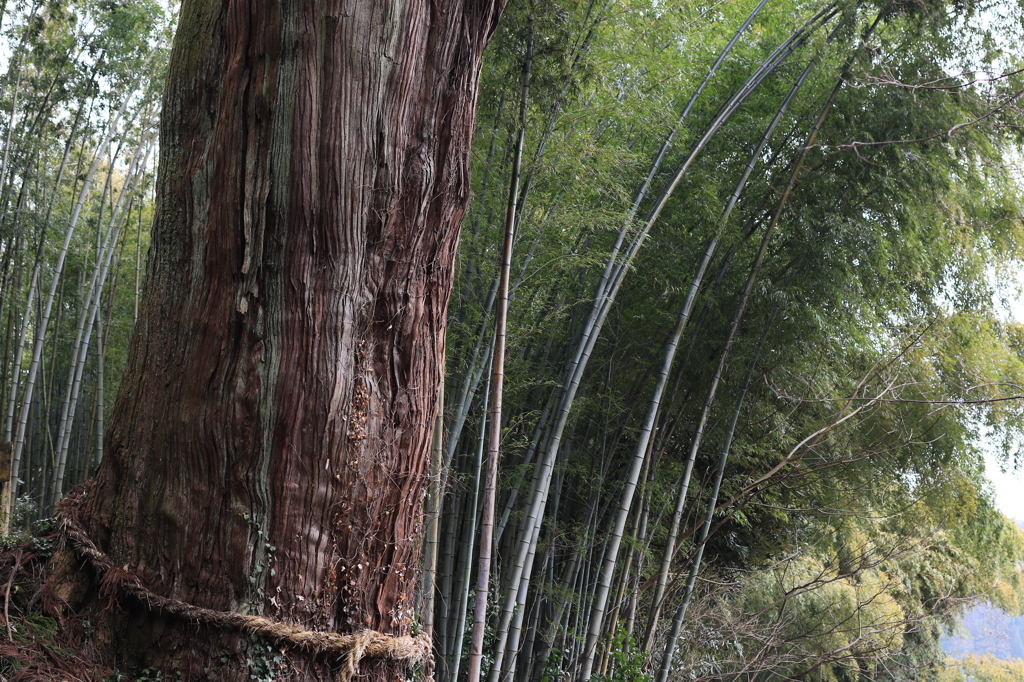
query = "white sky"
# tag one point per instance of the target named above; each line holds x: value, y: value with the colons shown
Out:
x: 1009, y: 489
x: 1009, y: 485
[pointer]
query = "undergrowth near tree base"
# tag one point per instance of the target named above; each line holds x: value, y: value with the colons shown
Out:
x: 43, y: 639
x: 35, y: 644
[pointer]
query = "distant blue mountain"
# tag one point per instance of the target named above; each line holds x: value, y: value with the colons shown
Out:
x: 987, y: 630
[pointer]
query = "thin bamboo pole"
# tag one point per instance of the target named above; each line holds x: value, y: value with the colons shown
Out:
x: 89, y: 316
x: 716, y: 486
x: 608, y: 286
x: 44, y: 319
x: 730, y: 205
x: 738, y: 318
x: 466, y: 560
x: 431, y: 518
x: 497, y: 384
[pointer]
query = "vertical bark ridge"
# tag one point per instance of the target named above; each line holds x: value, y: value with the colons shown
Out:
x: 269, y: 445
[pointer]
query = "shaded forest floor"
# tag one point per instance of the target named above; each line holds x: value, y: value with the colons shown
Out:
x: 37, y: 641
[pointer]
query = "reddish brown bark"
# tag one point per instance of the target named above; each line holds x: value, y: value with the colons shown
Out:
x: 268, y: 448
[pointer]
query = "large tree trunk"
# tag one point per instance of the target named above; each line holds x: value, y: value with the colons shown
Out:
x: 267, y: 452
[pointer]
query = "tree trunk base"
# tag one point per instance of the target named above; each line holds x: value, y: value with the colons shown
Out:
x: 76, y: 616
x: 64, y: 629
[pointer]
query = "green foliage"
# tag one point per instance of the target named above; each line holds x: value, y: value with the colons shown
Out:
x: 262, y: 659
x: 854, y: 521
x: 625, y: 661
x: 845, y: 556
x: 28, y: 526
x: 71, y: 65
x: 36, y: 630
x: 979, y: 669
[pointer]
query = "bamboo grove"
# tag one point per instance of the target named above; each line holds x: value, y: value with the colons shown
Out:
x: 81, y: 93
x: 753, y: 349
x: 751, y: 344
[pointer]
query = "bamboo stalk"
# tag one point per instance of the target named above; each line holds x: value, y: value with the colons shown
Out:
x: 431, y: 510
x: 89, y: 316
x: 730, y: 205
x: 716, y: 486
x: 58, y: 270
x: 607, y: 289
x: 497, y: 381
x: 467, y: 558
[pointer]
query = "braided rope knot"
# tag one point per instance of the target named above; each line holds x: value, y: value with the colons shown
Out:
x: 350, y: 649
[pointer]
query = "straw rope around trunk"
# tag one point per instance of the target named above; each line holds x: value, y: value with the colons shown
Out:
x: 350, y: 649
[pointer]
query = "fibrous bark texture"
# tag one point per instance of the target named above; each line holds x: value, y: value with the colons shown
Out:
x: 268, y: 448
